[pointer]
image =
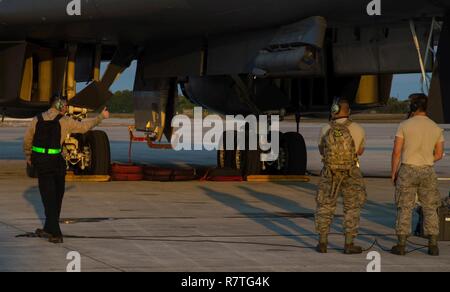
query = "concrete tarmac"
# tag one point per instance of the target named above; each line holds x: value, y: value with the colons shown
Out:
x: 200, y: 226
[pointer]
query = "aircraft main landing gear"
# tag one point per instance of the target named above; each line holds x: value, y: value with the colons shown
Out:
x: 292, y: 159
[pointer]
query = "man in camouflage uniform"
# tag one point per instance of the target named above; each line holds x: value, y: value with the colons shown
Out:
x: 341, y: 142
x: 419, y: 144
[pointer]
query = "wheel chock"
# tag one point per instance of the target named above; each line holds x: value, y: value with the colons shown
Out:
x: 87, y: 178
x: 278, y: 178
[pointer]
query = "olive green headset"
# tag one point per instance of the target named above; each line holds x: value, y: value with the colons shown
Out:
x: 59, y: 102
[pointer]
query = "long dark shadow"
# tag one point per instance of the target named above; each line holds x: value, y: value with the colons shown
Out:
x: 265, y: 218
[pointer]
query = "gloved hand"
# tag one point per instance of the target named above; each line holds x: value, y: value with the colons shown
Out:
x: 105, y: 113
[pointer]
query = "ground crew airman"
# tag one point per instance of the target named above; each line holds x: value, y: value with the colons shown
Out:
x: 419, y: 144
x: 341, y: 142
x: 43, y: 147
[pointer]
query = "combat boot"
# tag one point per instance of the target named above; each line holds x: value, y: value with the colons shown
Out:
x: 433, y: 248
x: 350, y: 247
x: 322, y: 247
x: 41, y: 233
x: 400, y: 248
x: 56, y: 239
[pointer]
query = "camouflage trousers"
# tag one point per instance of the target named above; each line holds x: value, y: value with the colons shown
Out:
x: 351, y: 186
x: 417, y: 182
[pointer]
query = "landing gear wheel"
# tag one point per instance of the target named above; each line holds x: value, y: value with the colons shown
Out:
x: 251, y: 162
x: 294, y: 149
x: 248, y: 162
x: 98, y: 143
x: 227, y: 158
x: 275, y: 167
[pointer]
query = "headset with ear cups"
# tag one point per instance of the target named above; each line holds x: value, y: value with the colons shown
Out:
x: 417, y: 102
x: 336, y: 107
x: 60, y: 103
x: 414, y: 106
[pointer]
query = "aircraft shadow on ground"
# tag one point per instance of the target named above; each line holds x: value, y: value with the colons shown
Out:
x: 285, y: 226
x: 383, y: 214
x: 373, y: 212
x: 380, y: 213
x: 279, y: 225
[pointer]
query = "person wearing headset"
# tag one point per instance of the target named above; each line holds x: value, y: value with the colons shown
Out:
x: 341, y: 142
x: 419, y: 143
x: 43, y: 148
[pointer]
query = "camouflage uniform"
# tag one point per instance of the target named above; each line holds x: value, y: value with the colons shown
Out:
x: 340, y: 176
x: 353, y: 190
x: 446, y: 202
x: 421, y: 182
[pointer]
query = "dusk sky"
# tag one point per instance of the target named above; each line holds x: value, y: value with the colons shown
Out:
x: 402, y: 87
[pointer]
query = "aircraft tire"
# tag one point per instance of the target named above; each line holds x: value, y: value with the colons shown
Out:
x: 227, y: 158
x: 273, y: 168
x: 100, y: 152
x: 296, y: 154
x: 251, y: 163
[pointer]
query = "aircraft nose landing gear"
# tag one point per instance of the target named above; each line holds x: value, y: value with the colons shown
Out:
x: 87, y: 154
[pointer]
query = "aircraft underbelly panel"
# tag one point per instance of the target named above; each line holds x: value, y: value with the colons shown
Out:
x: 142, y: 20
x: 378, y: 50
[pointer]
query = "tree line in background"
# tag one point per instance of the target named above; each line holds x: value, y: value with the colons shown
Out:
x: 394, y: 106
x: 122, y: 103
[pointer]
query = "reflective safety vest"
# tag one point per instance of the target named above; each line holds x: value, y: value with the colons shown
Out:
x: 46, y: 155
x: 46, y: 151
x: 47, y: 136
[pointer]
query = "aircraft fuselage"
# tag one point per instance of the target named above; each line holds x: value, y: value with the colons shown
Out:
x: 141, y: 21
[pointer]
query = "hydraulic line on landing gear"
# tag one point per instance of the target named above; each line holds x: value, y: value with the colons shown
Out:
x: 148, y: 138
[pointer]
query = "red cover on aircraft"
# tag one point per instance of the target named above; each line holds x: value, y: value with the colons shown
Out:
x: 127, y: 177
x: 168, y: 174
x: 127, y: 172
x: 127, y: 169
